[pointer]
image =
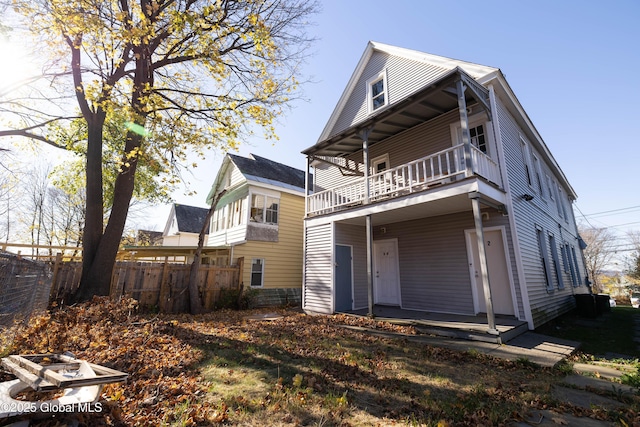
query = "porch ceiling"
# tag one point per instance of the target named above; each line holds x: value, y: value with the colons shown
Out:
x: 426, y: 104
x: 449, y: 205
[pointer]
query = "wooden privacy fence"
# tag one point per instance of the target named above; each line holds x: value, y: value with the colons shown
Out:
x: 161, y: 285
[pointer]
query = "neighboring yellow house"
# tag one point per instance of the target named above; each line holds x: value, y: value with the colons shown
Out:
x: 260, y: 218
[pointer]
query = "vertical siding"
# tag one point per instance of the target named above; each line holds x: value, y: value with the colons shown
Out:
x: 317, y: 289
x: 404, y: 76
x: 283, y: 259
x: 355, y: 236
x: 545, y: 305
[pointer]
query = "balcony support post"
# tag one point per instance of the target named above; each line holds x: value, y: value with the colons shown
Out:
x: 364, y: 135
x: 306, y: 187
x: 464, y: 127
x: 484, y: 266
x: 369, y: 232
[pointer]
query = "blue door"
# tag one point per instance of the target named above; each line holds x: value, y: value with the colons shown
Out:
x: 342, y: 278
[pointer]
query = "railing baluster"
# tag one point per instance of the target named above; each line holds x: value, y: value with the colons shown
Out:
x: 420, y: 171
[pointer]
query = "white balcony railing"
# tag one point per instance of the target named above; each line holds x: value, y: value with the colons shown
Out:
x: 417, y: 175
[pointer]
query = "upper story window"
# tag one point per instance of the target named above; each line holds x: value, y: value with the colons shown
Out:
x: 538, y: 172
x: 478, y: 138
x: 380, y: 164
x: 480, y: 135
x: 377, y: 92
x: 264, y: 209
x: 526, y: 160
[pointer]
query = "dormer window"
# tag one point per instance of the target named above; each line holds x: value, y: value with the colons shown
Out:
x: 377, y: 92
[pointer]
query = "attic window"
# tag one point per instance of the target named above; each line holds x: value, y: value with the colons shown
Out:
x: 377, y: 92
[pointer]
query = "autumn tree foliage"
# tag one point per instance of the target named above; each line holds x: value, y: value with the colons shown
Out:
x: 174, y: 75
x: 598, y: 253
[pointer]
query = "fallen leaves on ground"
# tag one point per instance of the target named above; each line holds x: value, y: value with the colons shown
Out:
x: 316, y: 370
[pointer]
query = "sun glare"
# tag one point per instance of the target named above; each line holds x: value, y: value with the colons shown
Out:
x: 16, y: 66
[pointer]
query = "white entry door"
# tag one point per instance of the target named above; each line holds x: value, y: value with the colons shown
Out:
x: 386, y: 275
x: 499, y: 277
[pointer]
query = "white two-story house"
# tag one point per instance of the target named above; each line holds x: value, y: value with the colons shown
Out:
x: 434, y: 192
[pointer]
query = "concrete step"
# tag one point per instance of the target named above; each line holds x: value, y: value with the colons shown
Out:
x: 470, y: 335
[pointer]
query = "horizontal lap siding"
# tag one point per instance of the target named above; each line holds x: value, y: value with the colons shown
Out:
x: 355, y: 236
x: 404, y: 77
x: 420, y: 141
x: 545, y: 305
x: 317, y: 289
x: 283, y: 259
x: 434, y: 270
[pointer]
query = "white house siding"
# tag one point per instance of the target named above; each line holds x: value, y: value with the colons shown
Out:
x: 236, y: 176
x: 355, y: 236
x: 317, y: 293
x: 228, y: 236
x: 180, y: 239
x: 434, y: 267
x: 404, y: 77
x: 545, y: 304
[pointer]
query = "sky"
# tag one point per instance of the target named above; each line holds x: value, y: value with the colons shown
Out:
x: 571, y: 63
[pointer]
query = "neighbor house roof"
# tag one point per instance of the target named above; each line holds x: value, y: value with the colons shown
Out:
x: 190, y: 218
x: 260, y: 169
x: 256, y: 169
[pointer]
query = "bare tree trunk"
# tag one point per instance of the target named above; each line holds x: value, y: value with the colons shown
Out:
x: 196, y: 305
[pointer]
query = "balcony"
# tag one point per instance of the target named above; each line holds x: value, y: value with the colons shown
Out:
x: 418, y: 175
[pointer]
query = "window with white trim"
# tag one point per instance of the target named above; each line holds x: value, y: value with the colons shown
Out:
x: 526, y: 160
x: 556, y: 260
x: 380, y: 164
x: 377, y: 92
x: 569, y: 262
x: 257, y: 272
x: 538, y: 172
x: 575, y: 263
x: 550, y: 187
x: 544, y: 259
x: 264, y: 209
x: 479, y: 138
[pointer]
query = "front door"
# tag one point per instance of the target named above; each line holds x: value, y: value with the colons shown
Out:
x: 342, y: 279
x: 499, y: 278
x: 386, y: 277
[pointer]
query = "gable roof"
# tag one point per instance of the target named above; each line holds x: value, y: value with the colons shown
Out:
x: 260, y: 169
x: 425, y: 69
x: 189, y: 218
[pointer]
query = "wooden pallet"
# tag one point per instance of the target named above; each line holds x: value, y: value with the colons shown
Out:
x: 44, y: 372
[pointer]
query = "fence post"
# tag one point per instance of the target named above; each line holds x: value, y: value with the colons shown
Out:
x: 54, y: 278
x: 240, y: 263
x: 164, y: 285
